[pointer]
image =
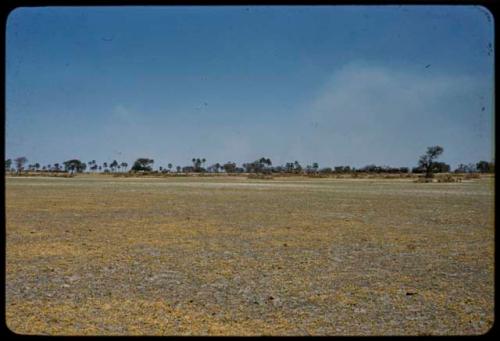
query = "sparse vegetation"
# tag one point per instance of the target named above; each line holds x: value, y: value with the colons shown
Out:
x: 449, y: 178
x: 427, y: 165
x: 227, y: 255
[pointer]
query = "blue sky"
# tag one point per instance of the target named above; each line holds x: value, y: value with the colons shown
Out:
x: 337, y: 85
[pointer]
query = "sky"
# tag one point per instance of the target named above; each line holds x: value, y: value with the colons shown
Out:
x: 337, y: 85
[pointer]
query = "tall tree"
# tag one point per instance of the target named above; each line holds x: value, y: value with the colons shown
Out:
x: 143, y: 164
x: 426, y: 161
x: 197, y: 162
x: 229, y: 167
x: 74, y: 165
x: 485, y: 167
x: 113, y: 165
x: 20, y: 161
x: 315, y: 167
x: 297, y: 167
x: 124, y: 165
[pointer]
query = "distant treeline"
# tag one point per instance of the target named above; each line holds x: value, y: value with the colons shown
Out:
x: 426, y: 164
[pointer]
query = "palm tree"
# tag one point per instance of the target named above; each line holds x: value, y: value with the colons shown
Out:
x: 315, y: 167
x: 113, y: 165
x: 298, y: 167
x: 197, y: 164
x: 169, y: 166
x: 124, y: 165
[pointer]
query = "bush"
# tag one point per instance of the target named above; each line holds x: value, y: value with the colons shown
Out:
x: 259, y: 176
x: 423, y: 179
x: 318, y: 175
x: 448, y: 178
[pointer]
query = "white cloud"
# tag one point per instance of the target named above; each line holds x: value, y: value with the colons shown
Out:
x: 381, y: 114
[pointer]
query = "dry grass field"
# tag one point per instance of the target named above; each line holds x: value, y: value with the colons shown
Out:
x: 236, y: 256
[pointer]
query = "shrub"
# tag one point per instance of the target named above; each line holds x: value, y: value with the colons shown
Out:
x: 448, y: 178
x: 259, y: 176
x: 422, y: 179
x: 318, y: 175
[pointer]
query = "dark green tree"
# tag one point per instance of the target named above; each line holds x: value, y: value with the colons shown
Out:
x: 315, y: 166
x: 440, y: 167
x: 74, y: 165
x: 20, y: 161
x: 113, y: 165
x: 485, y: 167
x: 197, y: 164
x: 143, y: 164
x: 229, y: 167
x: 426, y: 161
x: 297, y: 168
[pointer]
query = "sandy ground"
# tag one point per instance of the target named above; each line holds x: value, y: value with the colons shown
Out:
x: 232, y: 256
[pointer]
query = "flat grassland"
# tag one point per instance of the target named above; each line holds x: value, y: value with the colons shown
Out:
x: 236, y: 256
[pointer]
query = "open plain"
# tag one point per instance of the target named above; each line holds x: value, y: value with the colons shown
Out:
x: 102, y: 255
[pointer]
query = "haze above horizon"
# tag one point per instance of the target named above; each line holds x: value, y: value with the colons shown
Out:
x: 337, y: 85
